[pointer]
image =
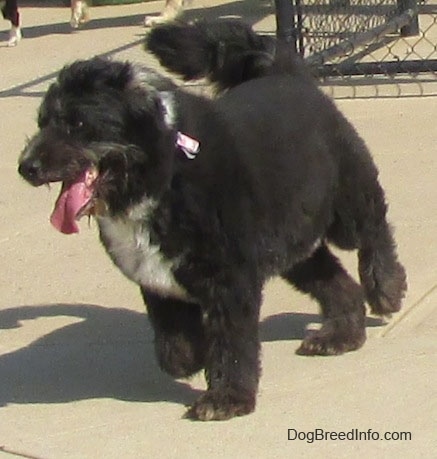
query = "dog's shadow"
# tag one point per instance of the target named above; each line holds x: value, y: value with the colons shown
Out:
x: 104, y: 353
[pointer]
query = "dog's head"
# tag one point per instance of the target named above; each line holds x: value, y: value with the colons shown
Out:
x: 103, y: 133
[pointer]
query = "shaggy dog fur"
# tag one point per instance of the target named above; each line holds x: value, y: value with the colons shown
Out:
x: 277, y: 174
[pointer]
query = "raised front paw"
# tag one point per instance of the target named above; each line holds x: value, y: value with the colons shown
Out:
x: 220, y: 406
x: 179, y: 355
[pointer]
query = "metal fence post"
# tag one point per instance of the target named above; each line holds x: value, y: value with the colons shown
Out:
x: 413, y: 27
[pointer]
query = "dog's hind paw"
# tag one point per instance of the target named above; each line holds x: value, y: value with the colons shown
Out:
x: 384, y: 280
x: 387, y: 297
x: 332, y: 340
x: 220, y: 406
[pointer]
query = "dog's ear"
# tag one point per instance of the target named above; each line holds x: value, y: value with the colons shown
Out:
x: 95, y: 73
x: 147, y: 124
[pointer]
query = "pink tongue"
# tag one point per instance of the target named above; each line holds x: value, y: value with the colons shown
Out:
x: 70, y: 201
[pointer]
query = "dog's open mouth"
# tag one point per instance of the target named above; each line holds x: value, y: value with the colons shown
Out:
x: 74, y: 201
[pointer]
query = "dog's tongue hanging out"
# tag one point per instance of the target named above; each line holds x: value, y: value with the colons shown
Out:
x: 71, y: 200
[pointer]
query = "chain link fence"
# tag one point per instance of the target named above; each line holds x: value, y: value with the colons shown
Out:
x: 365, y: 48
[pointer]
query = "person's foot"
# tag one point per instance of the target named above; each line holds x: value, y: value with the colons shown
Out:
x: 14, y: 36
x: 79, y: 14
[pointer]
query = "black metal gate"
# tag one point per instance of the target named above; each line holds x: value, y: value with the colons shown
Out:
x: 374, y: 42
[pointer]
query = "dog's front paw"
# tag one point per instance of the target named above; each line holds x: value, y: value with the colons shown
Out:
x: 178, y: 355
x: 332, y: 340
x: 220, y: 406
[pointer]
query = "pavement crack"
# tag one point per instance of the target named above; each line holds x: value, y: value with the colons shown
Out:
x: 16, y: 453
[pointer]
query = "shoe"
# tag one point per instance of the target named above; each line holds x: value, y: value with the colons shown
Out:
x: 79, y: 14
x: 14, y: 36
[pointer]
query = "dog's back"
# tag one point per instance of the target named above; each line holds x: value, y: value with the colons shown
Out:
x: 269, y: 89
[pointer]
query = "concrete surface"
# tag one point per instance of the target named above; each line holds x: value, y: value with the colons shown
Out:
x: 77, y: 373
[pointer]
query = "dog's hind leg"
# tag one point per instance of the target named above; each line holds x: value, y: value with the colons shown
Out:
x: 179, y: 334
x: 341, y: 300
x: 361, y: 224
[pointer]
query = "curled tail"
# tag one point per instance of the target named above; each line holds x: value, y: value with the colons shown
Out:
x: 226, y: 52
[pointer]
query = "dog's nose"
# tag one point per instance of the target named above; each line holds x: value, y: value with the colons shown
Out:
x: 29, y: 169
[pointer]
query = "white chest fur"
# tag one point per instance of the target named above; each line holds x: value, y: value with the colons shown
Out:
x: 127, y: 242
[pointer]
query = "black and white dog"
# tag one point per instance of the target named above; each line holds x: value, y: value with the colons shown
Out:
x: 200, y: 201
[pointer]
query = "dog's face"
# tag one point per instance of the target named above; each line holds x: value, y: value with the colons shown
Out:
x: 102, y: 133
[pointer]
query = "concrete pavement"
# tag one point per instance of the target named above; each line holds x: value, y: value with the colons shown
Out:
x: 77, y: 374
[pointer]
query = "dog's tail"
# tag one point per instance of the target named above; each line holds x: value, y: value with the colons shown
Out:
x: 227, y: 52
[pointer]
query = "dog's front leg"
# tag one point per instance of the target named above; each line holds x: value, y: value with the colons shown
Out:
x: 232, y: 360
x: 179, y: 334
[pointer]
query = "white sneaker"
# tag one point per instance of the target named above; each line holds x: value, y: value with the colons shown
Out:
x: 79, y: 14
x: 14, y: 36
